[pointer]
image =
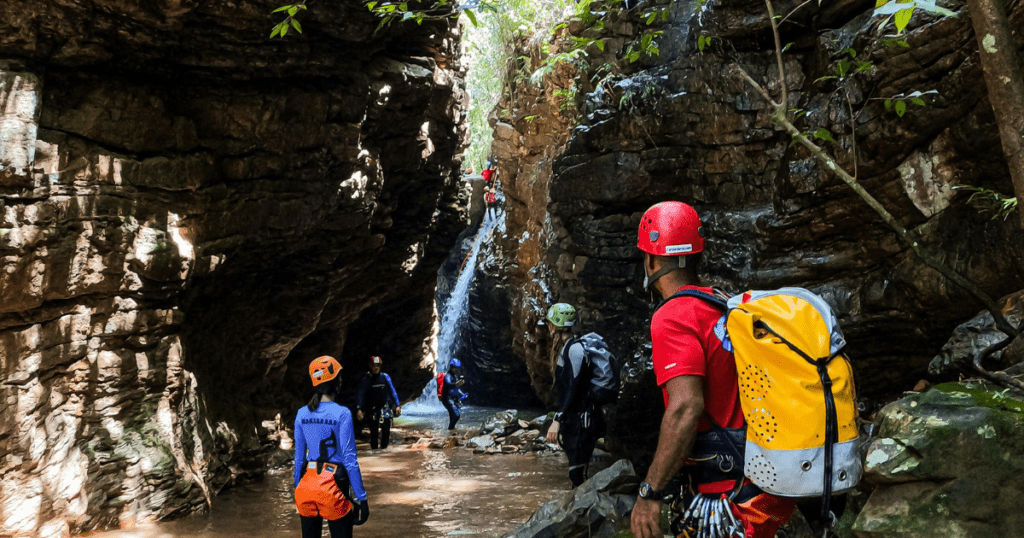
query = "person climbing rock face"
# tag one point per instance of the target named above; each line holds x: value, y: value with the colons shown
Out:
x: 488, y: 173
x: 579, y: 422
x: 491, y: 199
x: 451, y: 393
x: 698, y: 380
x: 377, y: 402
x: 325, y: 459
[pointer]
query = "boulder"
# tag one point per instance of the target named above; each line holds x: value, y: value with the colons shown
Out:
x: 947, y: 462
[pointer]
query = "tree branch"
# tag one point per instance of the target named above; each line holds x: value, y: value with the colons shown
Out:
x: 931, y: 261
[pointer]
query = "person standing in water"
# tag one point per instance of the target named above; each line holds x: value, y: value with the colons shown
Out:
x: 325, y: 459
x: 378, y: 398
x: 451, y: 394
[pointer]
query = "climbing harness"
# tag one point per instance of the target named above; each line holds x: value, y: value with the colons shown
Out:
x: 709, y: 516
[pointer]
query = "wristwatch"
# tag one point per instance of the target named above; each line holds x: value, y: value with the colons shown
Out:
x: 648, y: 492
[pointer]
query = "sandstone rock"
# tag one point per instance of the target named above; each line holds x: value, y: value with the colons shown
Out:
x: 186, y: 222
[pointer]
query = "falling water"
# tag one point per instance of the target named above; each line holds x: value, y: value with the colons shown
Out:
x: 453, y: 316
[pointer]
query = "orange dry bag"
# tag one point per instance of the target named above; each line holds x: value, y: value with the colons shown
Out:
x: 318, y: 493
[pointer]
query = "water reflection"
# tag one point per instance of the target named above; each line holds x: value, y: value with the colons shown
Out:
x: 413, y: 493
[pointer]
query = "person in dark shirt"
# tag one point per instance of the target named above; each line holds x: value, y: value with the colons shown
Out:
x: 578, y: 424
x: 377, y: 401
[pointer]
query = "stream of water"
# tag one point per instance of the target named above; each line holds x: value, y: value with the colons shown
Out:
x: 452, y: 317
x: 413, y: 493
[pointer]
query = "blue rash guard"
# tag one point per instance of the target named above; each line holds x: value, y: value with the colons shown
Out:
x: 328, y: 429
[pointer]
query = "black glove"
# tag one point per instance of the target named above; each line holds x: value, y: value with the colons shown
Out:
x: 362, y: 511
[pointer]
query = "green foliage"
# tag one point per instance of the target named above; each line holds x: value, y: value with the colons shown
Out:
x: 989, y: 201
x: 647, y: 47
x: 491, y: 62
x: 899, y: 102
x: 902, y: 10
x: 281, y: 28
x: 703, y: 41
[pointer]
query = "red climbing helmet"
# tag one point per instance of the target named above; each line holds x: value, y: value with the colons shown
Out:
x: 323, y: 369
x: 670, y: 229
x: 375, y: 360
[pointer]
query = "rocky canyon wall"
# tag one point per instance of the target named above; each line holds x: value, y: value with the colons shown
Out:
x: 190, y: 213
x: 684, y: 126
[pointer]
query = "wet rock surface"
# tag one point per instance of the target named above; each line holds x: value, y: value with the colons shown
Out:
x: 943, y: 464
x: 191, y: 212
x: 684, y: 126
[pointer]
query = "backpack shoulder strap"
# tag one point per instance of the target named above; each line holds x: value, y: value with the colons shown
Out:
x: 716, y: 300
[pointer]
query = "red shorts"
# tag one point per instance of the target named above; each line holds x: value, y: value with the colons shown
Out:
x: 318, y: 494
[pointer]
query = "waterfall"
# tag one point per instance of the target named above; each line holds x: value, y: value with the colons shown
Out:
x: 448, y: 341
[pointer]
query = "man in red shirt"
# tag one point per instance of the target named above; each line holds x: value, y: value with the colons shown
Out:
x: 697, y: 375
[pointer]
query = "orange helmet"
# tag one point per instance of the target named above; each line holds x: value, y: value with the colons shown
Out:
x: 323, y: 369
x: 670, y: 229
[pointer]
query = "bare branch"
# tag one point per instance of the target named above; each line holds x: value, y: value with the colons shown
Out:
x: 778, y: 56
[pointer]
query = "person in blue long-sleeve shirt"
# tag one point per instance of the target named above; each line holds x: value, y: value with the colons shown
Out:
x: 325, y: 459
x: 377, y: 401
x: 451, y: 394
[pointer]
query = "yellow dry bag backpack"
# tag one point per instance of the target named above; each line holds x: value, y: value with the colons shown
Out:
x: 796, y: 390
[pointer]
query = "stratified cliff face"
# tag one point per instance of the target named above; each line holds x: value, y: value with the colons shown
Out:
x: 191, y: 213
x: 685, y: 126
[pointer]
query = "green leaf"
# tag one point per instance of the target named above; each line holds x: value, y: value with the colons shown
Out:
x: 918, y: 101
x: 903, y: 44
x: 700, y: 43
x: 599, y: 44
x: 297, y: 26
x: 902, y: 19
x: 888, y: 104
x: 403, y: 7
x: 634, y: 56
x: 784, y: 49
x: 901, y: 108
x: 284, y: 29
x: 282, y: 8
x: 302, y: 6
x: 371, y: 5
x: 824, y: 134
x: 664, y: 16
x: 472, y: 17
x: 292, y: 11
x: 275, y: 31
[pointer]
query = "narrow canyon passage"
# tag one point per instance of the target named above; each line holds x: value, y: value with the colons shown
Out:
x: 413, y: 492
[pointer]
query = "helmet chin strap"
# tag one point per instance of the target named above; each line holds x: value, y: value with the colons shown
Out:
x: 668, y: 268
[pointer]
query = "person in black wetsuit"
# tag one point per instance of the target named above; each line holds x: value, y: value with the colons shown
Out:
x: 377, y: 401
x: 578, y: 424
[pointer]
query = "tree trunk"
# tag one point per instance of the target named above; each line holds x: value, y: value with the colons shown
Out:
x: 1005, y: 81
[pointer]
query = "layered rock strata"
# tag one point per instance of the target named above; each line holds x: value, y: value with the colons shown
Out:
x: 684, y: 126
x: 191, y: 212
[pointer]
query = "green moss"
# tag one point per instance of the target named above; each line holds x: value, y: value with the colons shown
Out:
x: 985, y: 395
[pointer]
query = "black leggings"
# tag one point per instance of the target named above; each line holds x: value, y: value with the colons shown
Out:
x: 579, y: 443
x: 384, y: 430
x: 312, y: 527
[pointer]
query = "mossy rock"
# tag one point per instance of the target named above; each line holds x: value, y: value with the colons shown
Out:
x: 948, y: 462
